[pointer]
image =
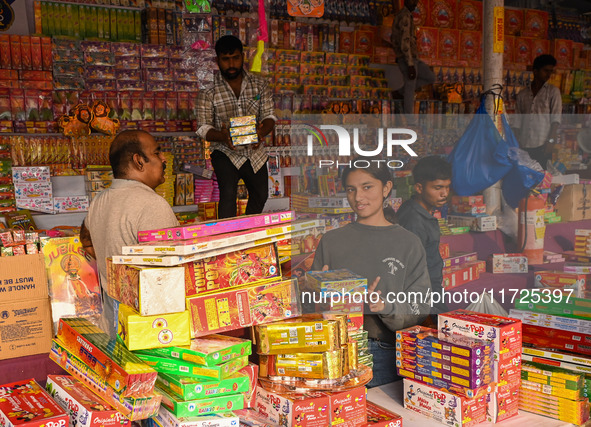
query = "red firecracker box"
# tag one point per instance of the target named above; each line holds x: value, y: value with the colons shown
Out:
x: 442, y: 14
x: 470, y: 15
x: 563, y: 52
x: 364, y: 42
x: 381, y: 417
x: 514, y: 21
x: 448, y: 45
x: 471, y: 47
x: 535, y: 24
x: 427, y: 39
x: 25, y: 403
x: 522, y: 50
x: 574, y: 337
x: 444, y: 250
x: 539, y: 47
x: 509, y: 53
x: 346, y: 42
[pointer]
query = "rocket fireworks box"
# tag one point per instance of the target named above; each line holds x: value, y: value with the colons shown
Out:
x: 192, y: 408
x: 561, y: 279
x: 287, y: 337
x: 179, y: 367
x: 188, y: 388
x: 235, y: 269
x: 144, y: 332
x: 73, y: 282
x: 149, y: 290
x: 507, y: 263
x: 25, y: 403
x: 84, y: 407
x: 133, y: 408
x: 381, y: 417
x: 209, y: 350
x: 110, y: 359
x: 223, y: 419
x: 239, y: 308
x: 442, y: 406
x: 215, y: 227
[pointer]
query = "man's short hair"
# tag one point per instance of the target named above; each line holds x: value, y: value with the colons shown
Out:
x: 431, y: 168
x: 124, y: 146
x: 543, y: 60
x: 228, y: 44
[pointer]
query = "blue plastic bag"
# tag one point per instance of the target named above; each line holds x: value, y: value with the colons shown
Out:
x: 480, y: 157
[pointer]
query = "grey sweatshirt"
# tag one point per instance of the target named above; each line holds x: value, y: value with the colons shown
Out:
x: 392, y: 253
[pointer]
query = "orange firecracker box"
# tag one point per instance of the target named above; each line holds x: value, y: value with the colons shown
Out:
x: 442, y: 14
x: 25, y: 403
x: 448, y: 45
x: 509, y: 53
x: 539, y: 47
x: 514, y: 21
x: 522, y: 49
x: 381, y: 417
x: 444, y: 250
x: 563, y: 52
x: 470, y: 15
x: 471, y: 47
x: 535, y: 24
x: 427, y: 40
x: 259, y: 264
x: 346, y: 42
x: 240, y: 308
x: 364, y: 42
x: 421, y: 13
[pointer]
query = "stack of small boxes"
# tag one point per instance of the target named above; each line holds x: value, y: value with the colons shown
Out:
x: 7, y: 200
x: 166, y: 190
x: 18, y: 242
x: 461, y: 268
x: 470, y: 211
x: 97, y: 179
x: 243, y: 130
x: 583, y: 242
x: 184, y: 192
x: 33, y: 188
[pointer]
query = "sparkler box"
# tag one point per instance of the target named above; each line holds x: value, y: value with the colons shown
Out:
x: 86, y: 409
x: 25, y: 403
x: 223, y: 419
x: 209, y: 350
x: 192, y: 408
x: 188, y: 388
x: 179, y: 367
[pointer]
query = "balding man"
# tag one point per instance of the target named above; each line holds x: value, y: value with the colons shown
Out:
x: 130, y: 205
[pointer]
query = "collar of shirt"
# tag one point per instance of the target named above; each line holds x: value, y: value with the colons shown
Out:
x: 127, y: 183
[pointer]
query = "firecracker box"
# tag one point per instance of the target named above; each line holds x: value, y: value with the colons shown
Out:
x: 378, y: 416
x: 523, y: 51
x: 572, y: 256
x: 71, y: 204
x: 556, y: 343
x: 133, y: 408
x: 145, y: 332
x: 467, y: 200
x: 514, y: 21
x: 507, y: 263
x: 180, y: 367
x: 459, y: 258
x: 539, y: 47
x: 577, y: 267
x: 471, y: 47
x: 444, y: 250
x: 165, y: 418
x: 209, y: 350
x: 427, y: 39
x: 126, y: 373
x: 535, y: 24
x: 215, y: 227
x: 442, y: 13
x: 563, y: 52
x: 509, y: 50
x: 469, y: 209
x: 442, y: 406
x: 31, y: 174
x: 148, y: 290
x: 26, y: 403
x: 448, y: 45
x: 240, y: 308
x: 560, y: 334
x: 313, y: 409
x: 310, y: 336
x: 189, y: 388
x: 85, y: 408
x: 469, y: 16
x: 566, y: 410
x: 340, y: 281
x: 257, y: 265
x: 476, y: 223
x: 562, y: 279
x: 191, y: 408
x: 460, y: 274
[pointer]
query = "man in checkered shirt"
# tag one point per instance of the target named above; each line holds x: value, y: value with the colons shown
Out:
x: 236, y: 92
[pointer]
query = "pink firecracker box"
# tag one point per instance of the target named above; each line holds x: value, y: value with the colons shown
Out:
x: 215, y: 227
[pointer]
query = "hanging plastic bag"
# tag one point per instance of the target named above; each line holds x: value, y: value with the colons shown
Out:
x: 525, y: 173
x: 479, y: 158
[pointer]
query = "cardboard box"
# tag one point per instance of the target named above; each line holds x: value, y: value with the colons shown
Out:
x: 507, y: 263
x: 24, y: 306
x: 85, y: 408
x: 448, y: 45
x: 150, y: 291
x: 239, y: 308
x: 563, y: 52
x: 523, y: 51
x: 442, y: 13
x: 25, y: 403
x: 471, y: 47
x: 536, y: 24
x: 144, y: 332
x: 442, y: 406
x: 574, y: 203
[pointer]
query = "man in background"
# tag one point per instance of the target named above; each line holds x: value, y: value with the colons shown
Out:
x: 235, y: 93
x: 415, y: 72
x: 538, y: 110
x: 130, y: 205
x: 432, y: 176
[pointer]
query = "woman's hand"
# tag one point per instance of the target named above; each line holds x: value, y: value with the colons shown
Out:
x: 374, y: 295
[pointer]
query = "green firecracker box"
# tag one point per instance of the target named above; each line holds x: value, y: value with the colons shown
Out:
x: 209, y: 350
x: 180, y: 367
x: 192, y: 408
x: 196, y: 388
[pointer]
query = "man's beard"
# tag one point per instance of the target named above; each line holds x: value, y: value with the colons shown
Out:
x: 231, y: 75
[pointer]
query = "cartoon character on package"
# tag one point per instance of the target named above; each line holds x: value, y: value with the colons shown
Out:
x: 76, y: 123
x: 101, y: 122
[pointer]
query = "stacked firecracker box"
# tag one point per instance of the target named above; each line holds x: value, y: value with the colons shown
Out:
x: 459, y: 268
x: 471, y: 366
x: 470, y: 211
